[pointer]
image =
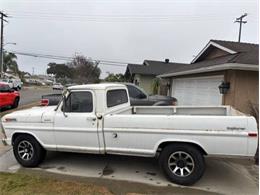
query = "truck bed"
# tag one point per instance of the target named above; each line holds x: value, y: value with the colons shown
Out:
x: 182, y: 110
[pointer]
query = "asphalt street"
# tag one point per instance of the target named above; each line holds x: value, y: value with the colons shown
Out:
x: 33, y: 94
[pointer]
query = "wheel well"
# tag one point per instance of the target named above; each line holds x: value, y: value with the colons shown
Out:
x: 18, y: 134
x: 198, y: 147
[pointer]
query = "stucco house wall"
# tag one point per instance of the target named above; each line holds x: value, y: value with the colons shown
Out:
x: 244, y: 90
x: 144, y: 82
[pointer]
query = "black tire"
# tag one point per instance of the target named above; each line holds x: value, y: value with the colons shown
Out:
x: 171, y: 162
x: 36, y: 157
x: 15, y: 103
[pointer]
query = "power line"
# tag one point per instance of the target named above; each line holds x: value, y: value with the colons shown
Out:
x: 115, y: 17
x: 67, y: 58
x: 240, y: 21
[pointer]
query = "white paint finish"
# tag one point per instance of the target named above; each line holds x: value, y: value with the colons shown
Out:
x: 132, y: 133
x: 76, y: 130
x: 138, y: 133
x: 197, y: 90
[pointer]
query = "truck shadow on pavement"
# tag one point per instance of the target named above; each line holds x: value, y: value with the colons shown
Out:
x: 221, y: 176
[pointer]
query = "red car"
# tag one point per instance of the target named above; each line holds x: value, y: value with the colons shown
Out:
x: 8, y: 96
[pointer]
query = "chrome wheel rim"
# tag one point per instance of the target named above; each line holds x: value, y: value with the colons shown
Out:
x: 25, y: 150
x: 181, y: 164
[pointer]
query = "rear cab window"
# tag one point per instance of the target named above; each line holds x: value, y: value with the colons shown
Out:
x: 116, y: 97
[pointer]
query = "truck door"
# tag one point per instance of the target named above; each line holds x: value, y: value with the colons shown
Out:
x: 75, y: 124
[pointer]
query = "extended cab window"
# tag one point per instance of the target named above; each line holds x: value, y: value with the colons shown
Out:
x: 79, y: 102
x: 116, y: 97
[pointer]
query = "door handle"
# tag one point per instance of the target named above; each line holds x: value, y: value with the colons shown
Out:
x: 91, y: 118
x: 114, y: 135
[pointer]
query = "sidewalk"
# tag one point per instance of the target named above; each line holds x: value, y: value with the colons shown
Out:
x: 3, y: 148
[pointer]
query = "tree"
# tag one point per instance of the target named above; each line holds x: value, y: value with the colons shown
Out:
x: 10, y: 62
x: 115, y: 78
x: 60, y: 70
x: 86, y: 70
x: 156, y: 85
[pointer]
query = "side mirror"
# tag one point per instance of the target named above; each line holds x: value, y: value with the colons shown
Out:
x: 11, y: 90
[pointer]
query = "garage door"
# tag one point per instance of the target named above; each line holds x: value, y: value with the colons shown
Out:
x: 198, y: 90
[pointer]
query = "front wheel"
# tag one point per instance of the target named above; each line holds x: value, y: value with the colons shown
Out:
x: 15, y: 103
x: 27, y: 151
x: 182, y: 163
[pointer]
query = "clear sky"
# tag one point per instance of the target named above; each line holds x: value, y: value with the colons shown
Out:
x: 122, y: 30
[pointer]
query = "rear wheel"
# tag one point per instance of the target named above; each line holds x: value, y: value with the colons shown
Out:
x: 182, y: 163
x: 15, y: 103
x: 27, y: 151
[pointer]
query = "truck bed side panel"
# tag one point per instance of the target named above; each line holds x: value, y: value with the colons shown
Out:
x: 142, y: 134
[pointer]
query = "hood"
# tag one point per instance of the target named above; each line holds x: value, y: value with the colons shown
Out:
x: 31, y: 115
x: 162, y: 98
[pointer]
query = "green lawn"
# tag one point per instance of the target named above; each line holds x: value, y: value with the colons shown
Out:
x: 24, y: 184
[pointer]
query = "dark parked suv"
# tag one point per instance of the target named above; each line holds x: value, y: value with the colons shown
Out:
x: 138, y: 97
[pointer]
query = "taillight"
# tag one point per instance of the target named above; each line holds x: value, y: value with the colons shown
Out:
x: 254, y: 134
x: 44, y: 102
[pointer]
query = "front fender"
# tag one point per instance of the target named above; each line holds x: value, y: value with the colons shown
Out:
x: 15, y: 133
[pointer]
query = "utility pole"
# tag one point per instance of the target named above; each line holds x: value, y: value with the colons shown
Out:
x: 3, y: 16
x: 240, y: 21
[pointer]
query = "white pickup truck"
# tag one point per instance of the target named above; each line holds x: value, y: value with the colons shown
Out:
x: 98, y: 118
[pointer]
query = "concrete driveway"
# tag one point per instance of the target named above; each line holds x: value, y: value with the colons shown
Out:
x: 222, y: 176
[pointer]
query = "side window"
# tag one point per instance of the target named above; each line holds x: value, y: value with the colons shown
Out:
x: 135, y: 92
x: 79, y: 102
x: 116, y: 97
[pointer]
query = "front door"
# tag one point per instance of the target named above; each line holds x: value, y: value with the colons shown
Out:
x: 75, y: 124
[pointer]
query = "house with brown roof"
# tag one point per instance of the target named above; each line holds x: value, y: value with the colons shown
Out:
x: 144, y: 74
x: 223, y: 73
